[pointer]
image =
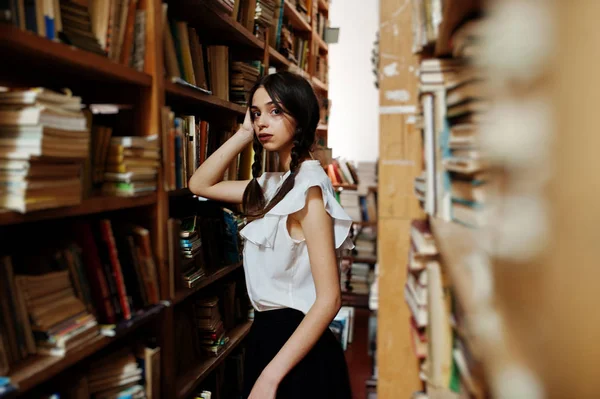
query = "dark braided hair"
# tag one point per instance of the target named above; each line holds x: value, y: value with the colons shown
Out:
x: 296, y: 97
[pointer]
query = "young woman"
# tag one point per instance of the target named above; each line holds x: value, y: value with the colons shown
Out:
x: 295, y: 226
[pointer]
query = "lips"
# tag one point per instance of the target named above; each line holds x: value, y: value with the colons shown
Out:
x: 264, y: 137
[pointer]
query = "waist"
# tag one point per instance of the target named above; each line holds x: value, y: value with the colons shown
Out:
x: 278, y: 315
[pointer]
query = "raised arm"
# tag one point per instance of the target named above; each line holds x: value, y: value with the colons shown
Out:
x: 317, y: 227
x: 206, y: 181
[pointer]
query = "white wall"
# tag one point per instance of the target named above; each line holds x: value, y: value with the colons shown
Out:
x: 354, y: 118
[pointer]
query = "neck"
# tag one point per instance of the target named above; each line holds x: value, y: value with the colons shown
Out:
x: 285, y: 157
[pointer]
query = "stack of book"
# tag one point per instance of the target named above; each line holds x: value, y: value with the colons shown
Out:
x: 191, y: 249
x: 131, y: 166
x: 243, y: 77
x: 117, y: 375
x: 60, y: 321
x: 265, y: 17
x: 357, y: 278
x: 350, y: 201
x: 423, y: 253
x: 211, y: 330
x: 44, y: 141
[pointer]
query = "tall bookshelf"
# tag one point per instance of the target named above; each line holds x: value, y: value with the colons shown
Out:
x: 508, y: 275
x: 30, y: 60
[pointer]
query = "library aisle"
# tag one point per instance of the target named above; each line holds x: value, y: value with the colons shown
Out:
x: 455, y: 136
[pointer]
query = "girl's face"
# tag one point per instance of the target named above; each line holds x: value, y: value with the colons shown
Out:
x: 273, y: 127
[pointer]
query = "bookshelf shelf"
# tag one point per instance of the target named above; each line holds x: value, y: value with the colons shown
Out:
x: 177, y: 92
x: 319, y: 85
x: 190, y: 381
x: 345, y: 186
x: 364, y: 224
x: 322, y: 128
x: 322, y: 45
x: 359, y: 259
x: 219, y: 274
x: 24, y: 47
x: 278, y: 58
x: 455, y: 12
x: 354, y: 299
x: 93, y: 205
x: 38, y: 369
x: 323, y: 5
x: 295, y: 18
x: 454, y: 242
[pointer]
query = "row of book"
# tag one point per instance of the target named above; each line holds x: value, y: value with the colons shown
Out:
x: 447, y: 361
x: 453, y: 183
x: 112, y: 28
x: 188, y: 142
x: 56, y: 299
x: 190, y: 62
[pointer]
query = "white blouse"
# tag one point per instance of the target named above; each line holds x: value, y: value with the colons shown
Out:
x: 277, y: 267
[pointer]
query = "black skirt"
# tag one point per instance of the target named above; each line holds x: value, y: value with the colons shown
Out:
x: 322, y: 373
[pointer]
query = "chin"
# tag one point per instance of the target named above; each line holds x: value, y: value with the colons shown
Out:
x: 268, y: 146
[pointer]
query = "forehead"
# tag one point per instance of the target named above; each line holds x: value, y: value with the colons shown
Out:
x: 261, y: 97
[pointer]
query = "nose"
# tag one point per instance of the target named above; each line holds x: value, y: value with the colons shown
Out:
x: 262, y: 122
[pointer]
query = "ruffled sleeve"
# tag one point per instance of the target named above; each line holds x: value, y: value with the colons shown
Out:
x: 262, y: 232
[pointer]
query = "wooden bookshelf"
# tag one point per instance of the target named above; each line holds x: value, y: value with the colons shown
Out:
x: 23, y: 47
x: 190, y: 380
x: 89, y: 206
x: 322, y: 128
x: 38, y: 369
x: 205, y: 281
x: 176, y: 92
x: 29, y: 58
x: 295, y: 18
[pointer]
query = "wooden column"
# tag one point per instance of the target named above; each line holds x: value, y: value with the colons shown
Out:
x: 399, y: 163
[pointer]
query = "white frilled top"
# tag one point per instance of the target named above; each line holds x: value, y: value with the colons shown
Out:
x: 277, y: 267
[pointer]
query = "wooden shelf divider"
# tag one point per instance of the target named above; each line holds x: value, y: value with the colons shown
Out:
x: 205, y: 281
x: 28, y: 47
x: 89, y: 206
x: 190, y: 380
x: 180, y: 92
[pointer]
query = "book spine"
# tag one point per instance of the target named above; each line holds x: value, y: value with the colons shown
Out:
x: 107, y: 235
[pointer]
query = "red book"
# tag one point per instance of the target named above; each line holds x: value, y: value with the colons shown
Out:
x: 91, y: 260
x: 109, y: 239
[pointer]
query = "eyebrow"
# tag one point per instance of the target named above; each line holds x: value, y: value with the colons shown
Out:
x: 269, y: 103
